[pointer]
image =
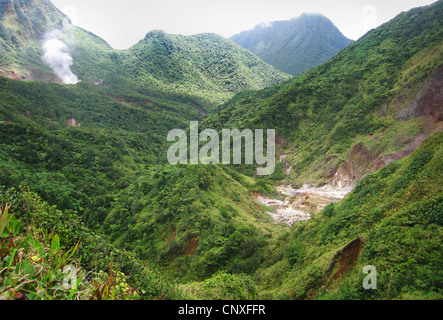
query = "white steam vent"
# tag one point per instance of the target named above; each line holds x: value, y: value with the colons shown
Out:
x: 57, y: 56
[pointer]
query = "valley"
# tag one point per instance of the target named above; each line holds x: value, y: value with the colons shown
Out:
x: 85, y: 178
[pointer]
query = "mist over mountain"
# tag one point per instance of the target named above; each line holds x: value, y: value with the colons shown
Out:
x: 296, y: 45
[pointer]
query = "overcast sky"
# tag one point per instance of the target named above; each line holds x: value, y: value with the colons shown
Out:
x: 122, y: 23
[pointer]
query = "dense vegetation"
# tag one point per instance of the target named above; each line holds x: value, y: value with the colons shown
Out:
x: 77, y: 166
x: 205, y: 66
x: 34, y: 255
x: 19, y: 31
x: 113, y: 207
x: 37, y: 256
x: 112, y: 172
x: 204, y: 69
x: 392, y: 220
x: 360, y: 96
x: 296, y: 45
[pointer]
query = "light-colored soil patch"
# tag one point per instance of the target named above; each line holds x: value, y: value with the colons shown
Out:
x: 300, y: 204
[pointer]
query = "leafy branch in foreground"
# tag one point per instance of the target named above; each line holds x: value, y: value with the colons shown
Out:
x: 68, y: 262
x: 34, y: 266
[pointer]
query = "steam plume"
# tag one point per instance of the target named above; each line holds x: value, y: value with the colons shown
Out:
x: 57, y: 56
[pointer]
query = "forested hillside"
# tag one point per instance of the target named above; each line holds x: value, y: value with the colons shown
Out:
x: 294, y: 46
x: 85, y: 181
x: 205, y: 69
x: 392, y: 220
x: 369, y: 105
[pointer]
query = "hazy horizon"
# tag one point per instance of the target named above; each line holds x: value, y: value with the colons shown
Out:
x: 124, y: 23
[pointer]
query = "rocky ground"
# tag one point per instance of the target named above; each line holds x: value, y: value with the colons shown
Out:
x: 300, y: 204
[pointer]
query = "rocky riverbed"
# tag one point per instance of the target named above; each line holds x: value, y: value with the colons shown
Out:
x: 300, y: 204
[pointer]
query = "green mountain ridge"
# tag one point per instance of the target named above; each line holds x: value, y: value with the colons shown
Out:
x: 296, y: 45
x: 392, y: 221
x: 205, y: 65
x: 371, y: 118
x: 355, y: 113
x: 149, y: 67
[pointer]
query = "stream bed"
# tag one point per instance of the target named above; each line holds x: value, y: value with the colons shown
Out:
x: 300, y: 204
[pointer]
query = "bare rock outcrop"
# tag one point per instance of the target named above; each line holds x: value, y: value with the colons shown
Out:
x: 71, y: 122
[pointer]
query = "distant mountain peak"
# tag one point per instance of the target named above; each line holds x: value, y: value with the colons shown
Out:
x: 264, y: 25
x: 296, y: 45
x: 155, y: 33
x: 207, y: 68
x: 307, y: 15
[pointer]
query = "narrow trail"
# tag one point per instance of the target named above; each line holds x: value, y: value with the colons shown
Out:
x: 300, y: 204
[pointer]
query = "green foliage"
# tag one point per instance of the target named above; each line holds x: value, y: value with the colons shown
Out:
x: 51, y: 240
x: 399, y: 228
x: 34, y: 266
x: 295, y: 253
x: 329, y: 211
x: 413, y: 170
x: 201, y: 71
x: 363, y: 90
x: 122, y: 209
x: 222, y: 286
x: 186, y: 218
x: 296, y: 45
x: 112, y: 171
x: 206, y: 67
x: 76, y: 167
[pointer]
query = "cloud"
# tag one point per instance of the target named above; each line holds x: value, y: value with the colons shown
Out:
x: 370, y: 21
x: 265, y: 25
x: 57, y: 56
